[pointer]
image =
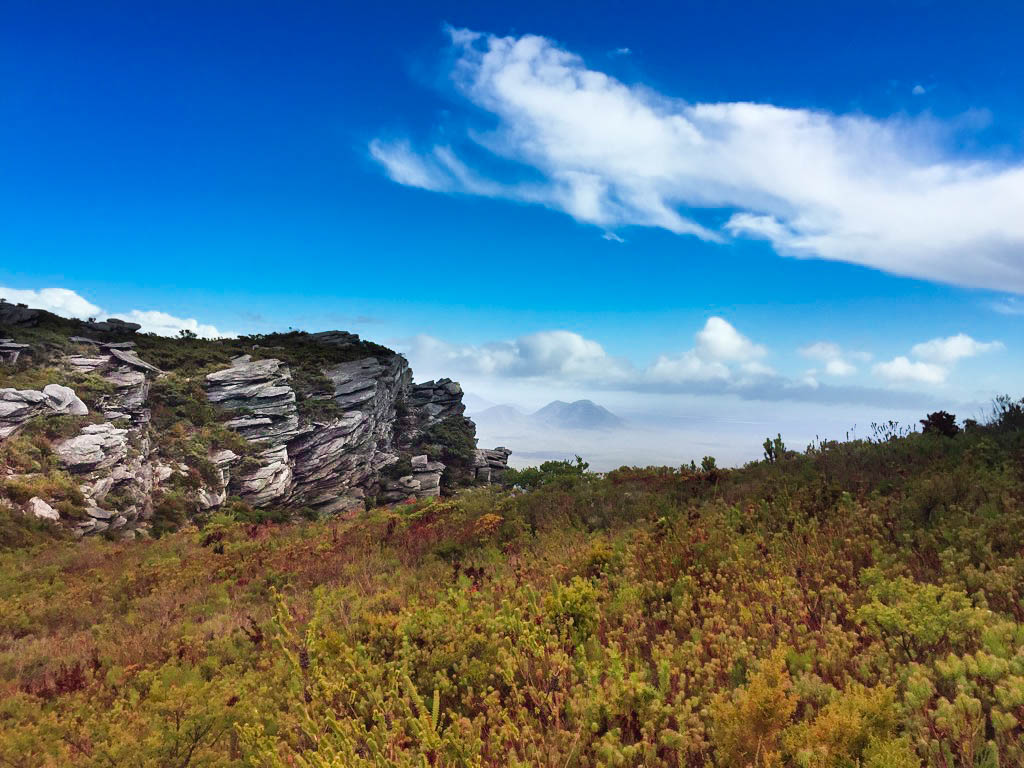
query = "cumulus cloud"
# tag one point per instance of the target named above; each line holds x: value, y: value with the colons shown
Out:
x: 164, y: 324
x: 719, y: 352
x: 885, y: 194
x: 832, y: 356
x: 719, y: 340
x: 934, y: 359
x: 68, y: 303
x: 903, y: 369
x: 60, y: 301
x: 947, y: 351
x: 918, y: 90
x: 561, y: 354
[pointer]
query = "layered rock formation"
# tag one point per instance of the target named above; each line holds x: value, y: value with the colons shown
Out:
x: 340, y: 435
x: 490, y: 465
x: 18, y: 407
x: 333, y: 464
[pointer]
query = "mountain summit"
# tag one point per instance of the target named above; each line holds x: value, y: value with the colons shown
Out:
x: 582, y: 414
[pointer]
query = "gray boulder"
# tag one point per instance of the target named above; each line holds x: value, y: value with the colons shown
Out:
x: 98, y: 446
x: 64, y: 400
x: 42, y: 510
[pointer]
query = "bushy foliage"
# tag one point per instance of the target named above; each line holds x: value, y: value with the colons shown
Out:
x: 940, y: 423
x: 798, y: 613
x: 548, y: 472
x: 452, y: 441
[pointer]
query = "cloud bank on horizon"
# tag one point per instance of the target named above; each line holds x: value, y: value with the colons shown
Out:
x: 881, y: 193
x: 721, y: 361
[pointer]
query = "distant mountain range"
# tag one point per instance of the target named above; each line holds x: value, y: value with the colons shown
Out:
x: 582, y: 414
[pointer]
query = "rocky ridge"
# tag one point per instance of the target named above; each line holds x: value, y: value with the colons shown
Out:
x: 367, y: 433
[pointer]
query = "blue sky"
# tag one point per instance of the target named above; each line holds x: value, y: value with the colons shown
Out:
x: 838, y: 178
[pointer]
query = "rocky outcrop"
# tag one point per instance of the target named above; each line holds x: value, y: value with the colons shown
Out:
x: 10, y: 352
x: 490, y: 464
x: 328, y: 463
x: 18, y: 406
x: 18, y: 314
x: 340, y: 435
x: 97, y: 446
x: 333, y: 464
x: 261, y: 391
x: 124, y: 370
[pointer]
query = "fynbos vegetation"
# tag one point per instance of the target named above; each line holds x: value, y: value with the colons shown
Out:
x: 857, y: 604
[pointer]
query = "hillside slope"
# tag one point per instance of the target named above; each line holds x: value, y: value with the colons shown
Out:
x: 858, y: 604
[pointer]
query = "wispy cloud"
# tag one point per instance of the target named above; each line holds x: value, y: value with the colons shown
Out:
x: 1009, y: 306
x: 885, y: 194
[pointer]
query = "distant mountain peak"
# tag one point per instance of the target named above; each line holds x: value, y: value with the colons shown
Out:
x: 581, y: 414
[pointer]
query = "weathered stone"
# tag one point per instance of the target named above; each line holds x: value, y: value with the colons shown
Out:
x: 490, y: 465
x: 419, y: 462
x: 87, y: 363
x: 113, y: 324
x: 18, y: 406
x: 18, y: 314
x: 64, y: 400
x: 261, y: 388
x: 131, y: 390
x: 9, y: 351
x: 271, y: 481
x: 98, y: 446
x: 98, y: 491
x: 42, y: 510
x: 128, y: 357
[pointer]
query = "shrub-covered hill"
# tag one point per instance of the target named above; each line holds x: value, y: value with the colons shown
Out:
x: 859, y: 604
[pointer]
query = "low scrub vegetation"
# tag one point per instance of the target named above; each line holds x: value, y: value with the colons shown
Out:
x: 856, y: 604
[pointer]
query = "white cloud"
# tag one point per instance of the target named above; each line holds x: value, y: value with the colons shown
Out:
x: 621, y: 52
x: 406, y: 167
x: 720, y: 353
x: 68, y: 303
x: 557, y: 354
x: 947, y: 351
x: 903, y: 369
x: 1009, y: 306
x: 935, y: 359
x: 830, y: 353
x: 885, y: 194
x: 687, y: 367
x: 840, y: 367
x: 613, y: 237
x: 163, y: 324
x: 60, y: 301
x: 719, y: 340
x: 918, y: 90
